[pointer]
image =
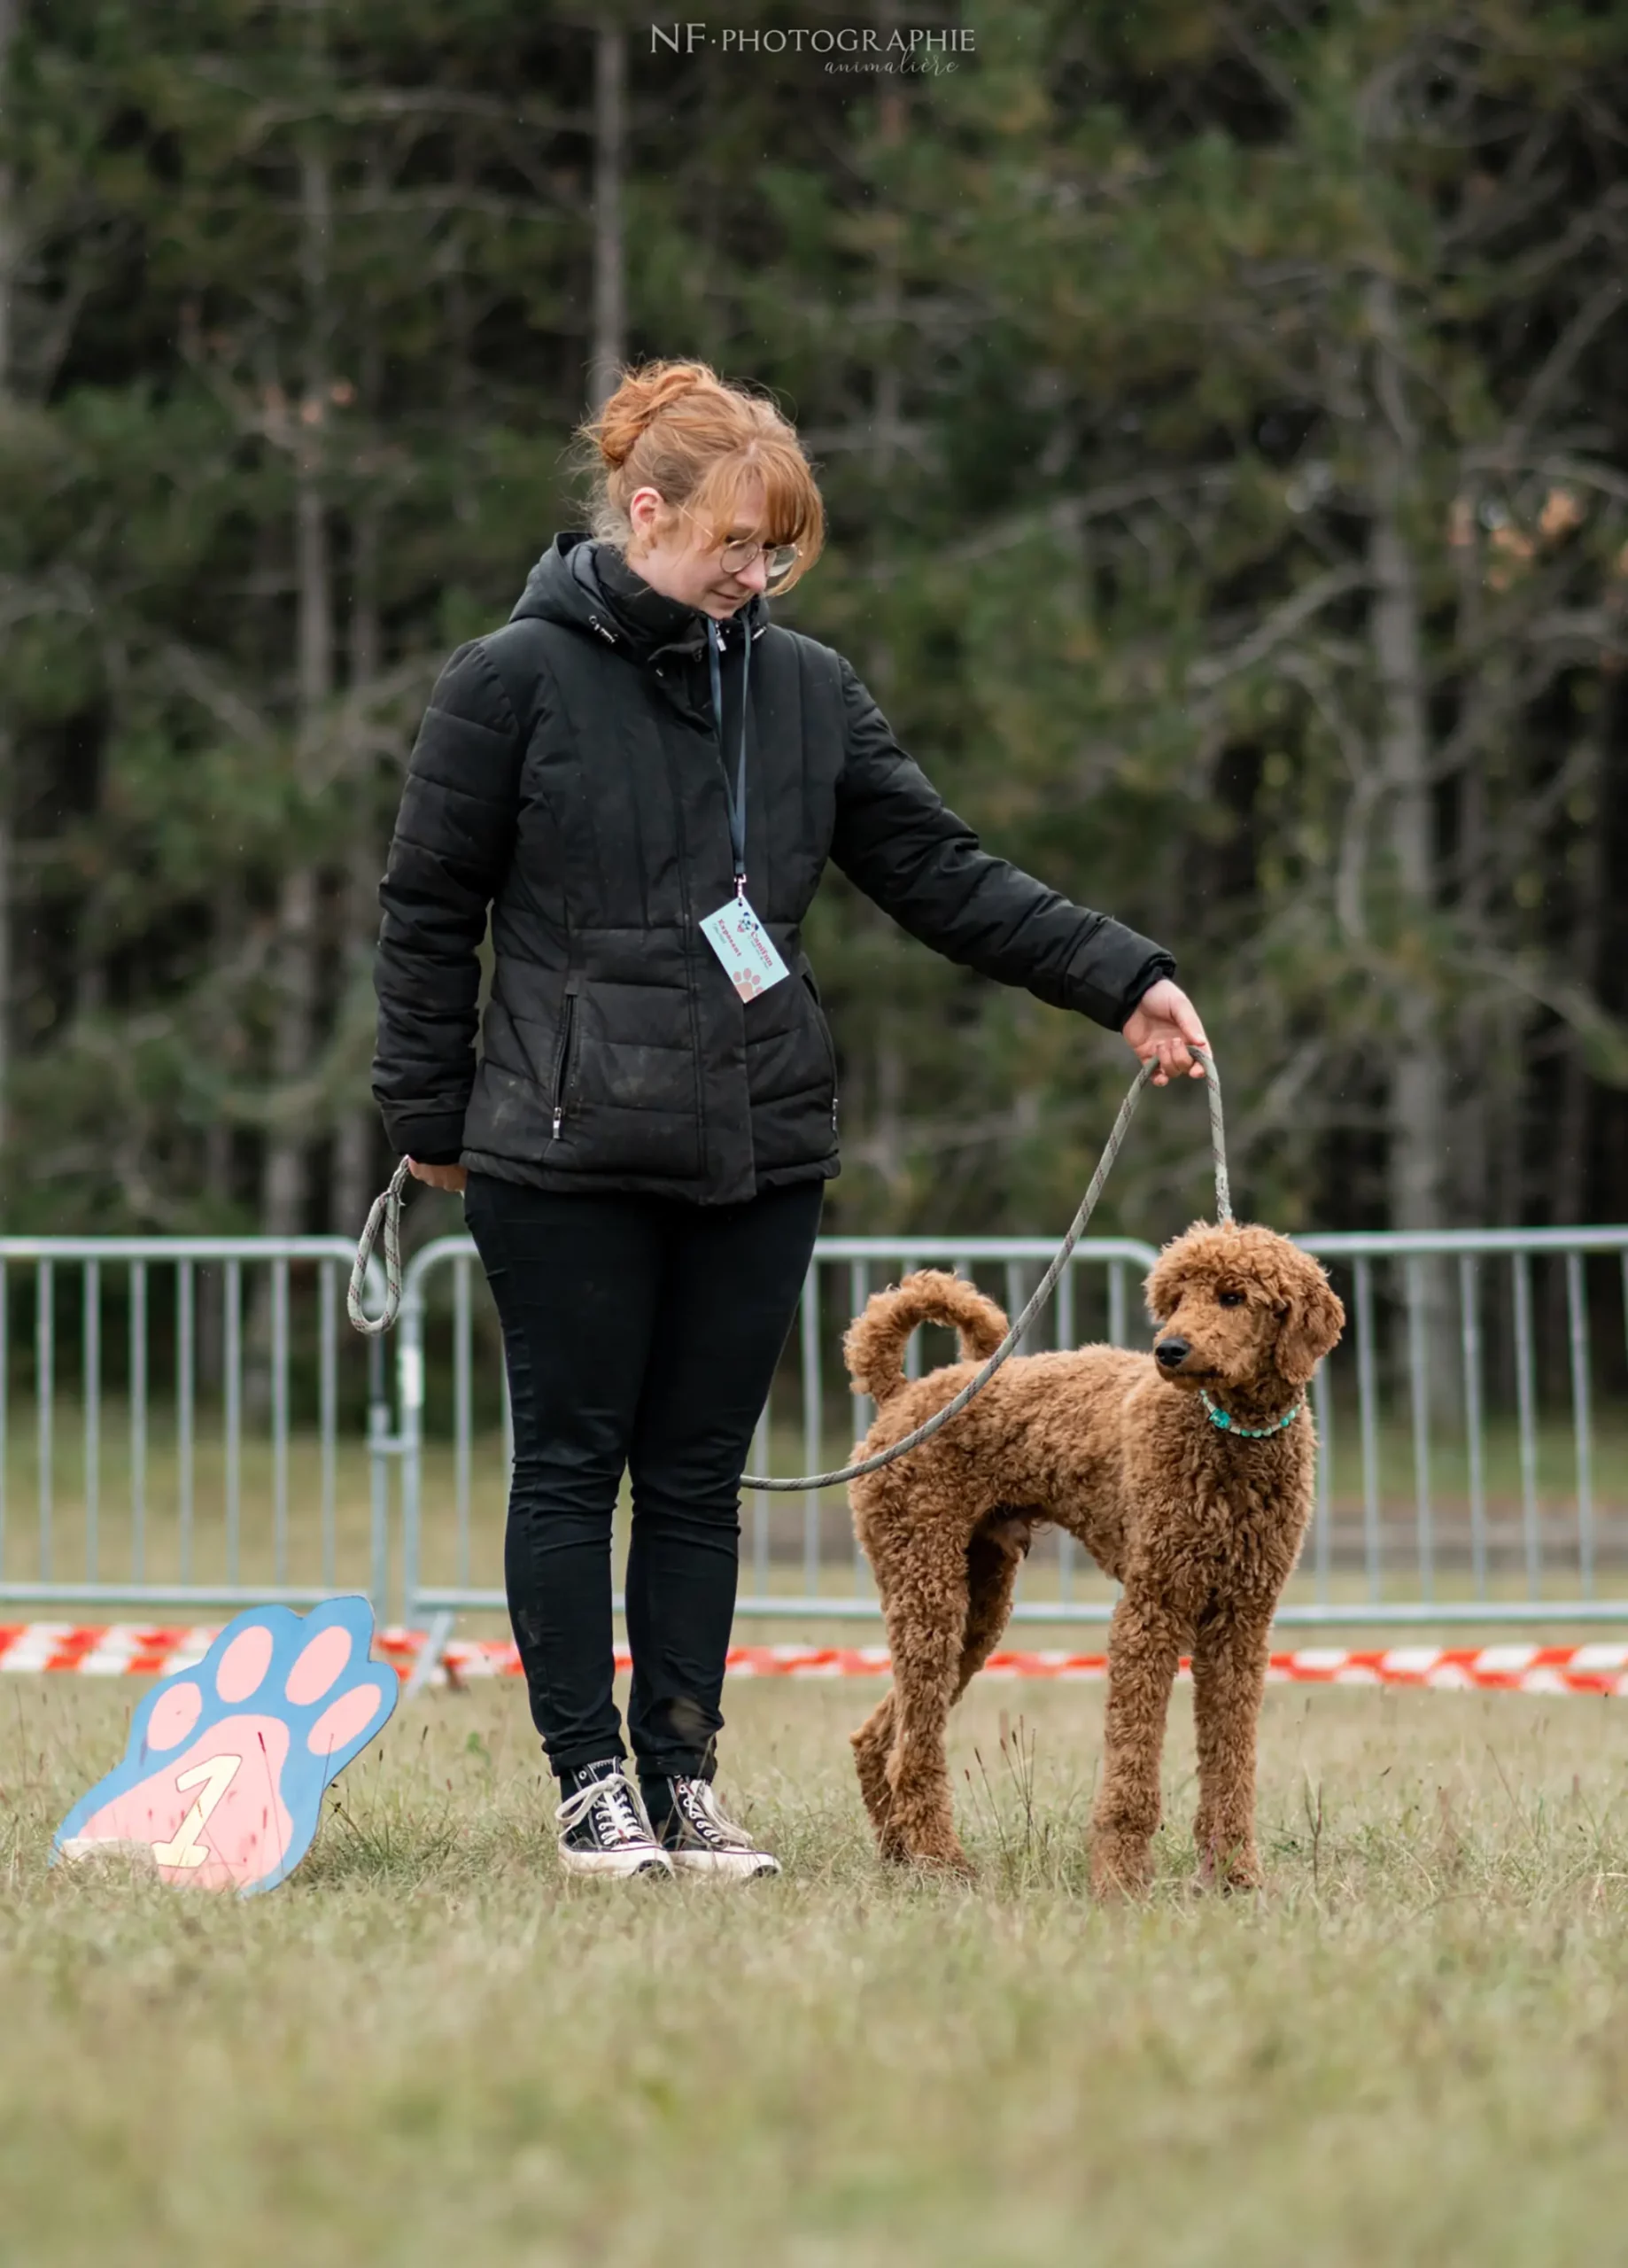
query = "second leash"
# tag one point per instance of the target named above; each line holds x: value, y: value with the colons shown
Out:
x: 1087, y: 1206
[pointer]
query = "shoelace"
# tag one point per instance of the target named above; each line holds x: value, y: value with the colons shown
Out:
x: 622, y: 1822
x: 702, y: 1809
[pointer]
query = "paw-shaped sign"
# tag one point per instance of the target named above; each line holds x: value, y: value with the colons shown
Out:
x: 223, y: 1778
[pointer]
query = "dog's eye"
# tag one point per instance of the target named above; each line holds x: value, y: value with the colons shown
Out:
x: 1230, y: 1299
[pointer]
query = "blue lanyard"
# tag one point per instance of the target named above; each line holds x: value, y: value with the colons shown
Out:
x: 735, y: 797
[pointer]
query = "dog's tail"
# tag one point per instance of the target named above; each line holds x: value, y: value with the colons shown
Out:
x: 877, y: 1339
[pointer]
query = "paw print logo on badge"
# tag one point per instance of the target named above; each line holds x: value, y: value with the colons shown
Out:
x: 221, y: 1782
x: 748, y: 952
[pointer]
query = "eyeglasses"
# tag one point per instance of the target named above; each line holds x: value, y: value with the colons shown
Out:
x: 735, y: 558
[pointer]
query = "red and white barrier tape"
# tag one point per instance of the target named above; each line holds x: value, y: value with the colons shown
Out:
x: 137, y: 1650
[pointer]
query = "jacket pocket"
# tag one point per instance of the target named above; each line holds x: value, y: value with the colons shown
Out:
x: 563, y: 1050
x: 828, y: 1043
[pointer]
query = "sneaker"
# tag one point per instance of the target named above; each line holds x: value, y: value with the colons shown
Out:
x: 604, y: 1829
x: 702, y: 1839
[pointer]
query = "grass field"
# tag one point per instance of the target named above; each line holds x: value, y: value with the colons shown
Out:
x: 429, y: 2047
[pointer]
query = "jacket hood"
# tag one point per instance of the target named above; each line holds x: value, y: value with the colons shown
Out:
x: 585, y: 583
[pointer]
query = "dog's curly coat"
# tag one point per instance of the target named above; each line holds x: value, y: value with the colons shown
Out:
x: 1199, y: 1526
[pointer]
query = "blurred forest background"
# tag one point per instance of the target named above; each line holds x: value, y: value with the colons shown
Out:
x: 1222, y: 413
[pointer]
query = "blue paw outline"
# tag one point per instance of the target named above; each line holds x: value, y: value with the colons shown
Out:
x: 244, y: 1679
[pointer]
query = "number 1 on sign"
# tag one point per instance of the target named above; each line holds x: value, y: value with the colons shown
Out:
x: 215, y: 1778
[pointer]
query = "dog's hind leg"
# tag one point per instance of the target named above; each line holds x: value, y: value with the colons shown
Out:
x: 927, y: 1630
x: 993, y: 1558
x: 1230, y: 1675
x: 873, y: 1745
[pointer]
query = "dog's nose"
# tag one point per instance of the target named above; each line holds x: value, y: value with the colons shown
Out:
x: 1172, y: 1353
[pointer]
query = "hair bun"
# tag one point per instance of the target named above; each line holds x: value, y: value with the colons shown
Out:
x: 641, y: 397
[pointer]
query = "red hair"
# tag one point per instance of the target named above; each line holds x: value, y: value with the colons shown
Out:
x: 679, y: 428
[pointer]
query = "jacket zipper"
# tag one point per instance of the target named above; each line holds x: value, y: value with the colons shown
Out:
x: 824, y: 1032
x: 675, y: 789
x: 561, y: 1056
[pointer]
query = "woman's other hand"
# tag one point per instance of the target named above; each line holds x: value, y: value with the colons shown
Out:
x: 454, y: 1177
x: 1161, y: 1028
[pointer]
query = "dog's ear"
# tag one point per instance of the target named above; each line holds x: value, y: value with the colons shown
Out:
x: 1185, y: 1258
x: 1310, y: 1321
x: 1161, y: 1288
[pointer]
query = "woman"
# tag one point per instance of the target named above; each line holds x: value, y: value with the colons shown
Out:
x: 643, y: 777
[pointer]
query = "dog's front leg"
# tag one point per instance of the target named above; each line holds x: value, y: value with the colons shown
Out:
x: 1144, y: 1648
x: 1230, y: 1675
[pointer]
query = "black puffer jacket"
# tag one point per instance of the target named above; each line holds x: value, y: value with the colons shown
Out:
x: 568, y: 773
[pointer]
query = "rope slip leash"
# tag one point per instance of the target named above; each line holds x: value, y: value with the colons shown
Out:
x: 387, y: 1211
x: 1087, y: 1206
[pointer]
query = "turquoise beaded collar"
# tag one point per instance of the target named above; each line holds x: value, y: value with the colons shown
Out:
x: 1229, y: 1424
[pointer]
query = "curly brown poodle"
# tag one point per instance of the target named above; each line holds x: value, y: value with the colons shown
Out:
x: 1186, y: 1472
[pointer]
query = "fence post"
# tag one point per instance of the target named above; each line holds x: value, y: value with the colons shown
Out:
x: 1368, y: 1413
x: 1577, y: 1317
x: 813, y: 1423
x: 379, y: 1446
x: 410, y: 1405
x: 1526, y: 1411
x: 1470, y: 1320
x: 45, y: 1388
x: 1419, y: 1386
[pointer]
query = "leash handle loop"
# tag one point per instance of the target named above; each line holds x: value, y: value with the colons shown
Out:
x: 386, y: 1213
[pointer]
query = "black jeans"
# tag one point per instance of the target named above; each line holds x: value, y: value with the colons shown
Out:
x: 639, y: 1332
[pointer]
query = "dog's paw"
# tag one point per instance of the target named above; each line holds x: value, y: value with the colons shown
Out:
x: 221, y: 1782
x: 1122, y: 1866
x: 931, y: 1847
x: 942, y: 1865
x: 1227, y: 1868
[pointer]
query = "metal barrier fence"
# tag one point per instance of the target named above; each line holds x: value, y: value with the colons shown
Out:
x: 1450, y: 1489
x: 247, y: 1458
x: 201, y: 1429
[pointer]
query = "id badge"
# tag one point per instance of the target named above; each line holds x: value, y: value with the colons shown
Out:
x: 741, y: 943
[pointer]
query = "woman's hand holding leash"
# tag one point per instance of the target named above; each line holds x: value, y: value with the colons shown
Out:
x: 387, y: 1216
x: 1161, y: 1028
x: 450, y: 1177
